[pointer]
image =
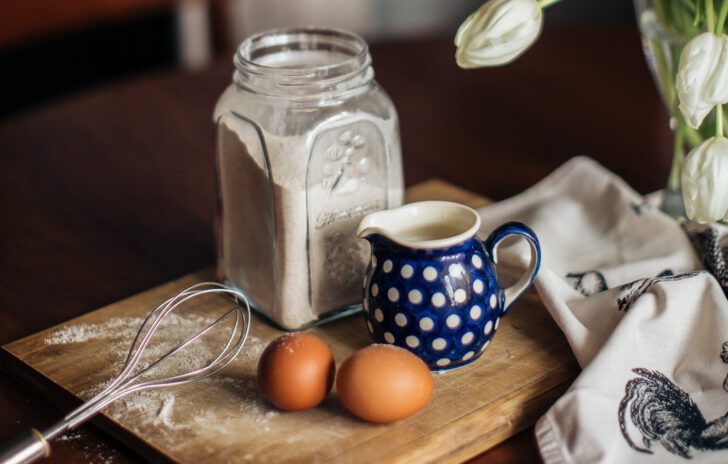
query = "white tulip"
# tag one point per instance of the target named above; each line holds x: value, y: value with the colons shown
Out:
x: 702, y: 77
x: 705, y: 181
x: 498, y: 33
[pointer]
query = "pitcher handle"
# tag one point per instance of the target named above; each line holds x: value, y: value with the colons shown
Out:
x: 491, y: 247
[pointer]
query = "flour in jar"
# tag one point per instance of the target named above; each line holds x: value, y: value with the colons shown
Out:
x: 289, y: 210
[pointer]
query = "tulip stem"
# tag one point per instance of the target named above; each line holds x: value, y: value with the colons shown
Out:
x: 547, y: 3
x: 673, y: 182
x: 719, y: 120
x: 710, y: 15
x: 721, y: 17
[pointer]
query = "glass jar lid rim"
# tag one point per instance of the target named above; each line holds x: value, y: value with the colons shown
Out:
x: 359, y: 51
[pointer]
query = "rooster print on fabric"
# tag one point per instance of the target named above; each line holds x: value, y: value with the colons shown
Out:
x: 660, y: 410
x: 588, y: 283
x: 663, y: 412
x: 633, y: 290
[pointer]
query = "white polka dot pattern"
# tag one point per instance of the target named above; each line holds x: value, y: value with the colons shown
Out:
x: 452, y: 321
x: 415, y: 296
x: 426, y: 324
x: 455, y: 270
x: 439, y: 344
x: 407, y: 271
x: 438, y: 299
x: 442, y: 309
x: 412, y: 341
x: 430, y: 274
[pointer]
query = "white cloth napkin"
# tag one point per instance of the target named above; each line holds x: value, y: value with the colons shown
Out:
x: 647, y: 324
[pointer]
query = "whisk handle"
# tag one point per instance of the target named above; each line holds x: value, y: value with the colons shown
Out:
x: 25, y: 448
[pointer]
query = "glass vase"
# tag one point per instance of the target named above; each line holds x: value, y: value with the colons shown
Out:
x: 666, y: 26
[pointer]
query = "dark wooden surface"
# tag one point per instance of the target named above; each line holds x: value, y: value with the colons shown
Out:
x: 112, y: 192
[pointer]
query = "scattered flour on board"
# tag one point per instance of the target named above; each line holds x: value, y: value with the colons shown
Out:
x: 214, y: 412
x: 73, y: 435
x: 173, y: 413
x: 154, y: 406
x: 115, y: 327
x: 94, y: 451
x: 119, y: 328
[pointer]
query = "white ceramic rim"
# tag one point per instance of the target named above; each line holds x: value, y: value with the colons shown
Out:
x: 389, y: 222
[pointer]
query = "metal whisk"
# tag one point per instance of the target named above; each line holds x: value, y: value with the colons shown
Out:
x: 35, y: 444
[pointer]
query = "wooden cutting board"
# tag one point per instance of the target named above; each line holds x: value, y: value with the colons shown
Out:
x: 223, y: 419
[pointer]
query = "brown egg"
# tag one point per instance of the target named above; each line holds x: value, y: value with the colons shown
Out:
x: 384, y: 383
x: 296, y: 371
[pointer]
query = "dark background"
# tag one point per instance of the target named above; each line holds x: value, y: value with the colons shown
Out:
x: 49, y: 65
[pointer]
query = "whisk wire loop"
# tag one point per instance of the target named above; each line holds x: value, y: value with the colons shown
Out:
x: 126, y: 381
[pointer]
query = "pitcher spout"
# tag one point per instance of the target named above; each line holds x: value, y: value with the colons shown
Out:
x: 371, y: 226
x: 424, y: 225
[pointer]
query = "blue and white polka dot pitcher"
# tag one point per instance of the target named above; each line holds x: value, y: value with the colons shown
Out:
x: 431, y: 285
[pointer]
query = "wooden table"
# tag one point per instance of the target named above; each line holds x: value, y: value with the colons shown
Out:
x: 112, y: 192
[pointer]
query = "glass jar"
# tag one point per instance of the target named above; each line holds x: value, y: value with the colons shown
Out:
x: 307, y: 143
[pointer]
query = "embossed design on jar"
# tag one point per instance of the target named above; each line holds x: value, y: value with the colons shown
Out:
x: 348, y: 163
x: 344, y: 182
x: 326, y: 218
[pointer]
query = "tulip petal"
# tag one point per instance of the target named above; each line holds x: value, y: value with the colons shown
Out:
x: 705, y: 181
x: 702, y: 77
x: 498, y: 33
